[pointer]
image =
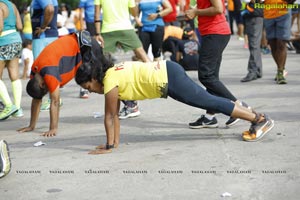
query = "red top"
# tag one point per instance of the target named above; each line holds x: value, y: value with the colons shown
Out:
x: 58, y: 62
x: 208, y: 25
x: 171, y: 17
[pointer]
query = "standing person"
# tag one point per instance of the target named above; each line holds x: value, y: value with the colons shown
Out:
x: 44, y: 29
x: 215, y: 34
x: 234, y: 13
x: 151, y: 26
x: 160, y: 79
x: 87, y: 7
x: 278, y: 31
x: 117, y: 30
x: 171, y: 18
x: 10, y: 51
x: 27, y: 58
x: 27, y: 29
x: 56, y: 66
x: 254, y: 26
x: 44, y: 24
x: 70, y: 17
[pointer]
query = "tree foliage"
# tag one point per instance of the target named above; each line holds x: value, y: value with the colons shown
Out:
x: 24, y: 3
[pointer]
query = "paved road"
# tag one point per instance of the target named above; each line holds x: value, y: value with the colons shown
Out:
x: 159, y: 156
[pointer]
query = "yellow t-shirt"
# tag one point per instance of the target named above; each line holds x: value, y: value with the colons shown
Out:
x: 138, y: 80
x: 116, y: 14
x: 27, y: 24
x: 274, y: 8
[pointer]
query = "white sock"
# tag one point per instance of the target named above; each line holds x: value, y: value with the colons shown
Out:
x: 209, y: 116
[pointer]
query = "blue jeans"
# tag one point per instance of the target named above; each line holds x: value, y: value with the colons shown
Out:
x: 182, y: 88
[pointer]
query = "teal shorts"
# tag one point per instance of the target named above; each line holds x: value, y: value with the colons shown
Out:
x: 126, y: 39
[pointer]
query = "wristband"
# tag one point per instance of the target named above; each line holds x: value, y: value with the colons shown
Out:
x: 97, y: 21
x: 109, y: 146
x: 158, y: 15
x: 97, y: 34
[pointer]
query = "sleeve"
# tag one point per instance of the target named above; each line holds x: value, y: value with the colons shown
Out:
x: 45, y: 3
x: 97, y: 2
x: 25, y: 54
x: 131, y: 3
x: 81, y: 4
x: 51, y: 82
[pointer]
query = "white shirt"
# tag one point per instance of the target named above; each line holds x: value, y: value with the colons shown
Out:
x: 27, y: 54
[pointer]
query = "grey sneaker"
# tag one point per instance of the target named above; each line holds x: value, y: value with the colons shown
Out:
x: 203, y: 122
x: 127, y: 112
x: 259, y: 129
x: 5, y: 164
x: 232, y: 121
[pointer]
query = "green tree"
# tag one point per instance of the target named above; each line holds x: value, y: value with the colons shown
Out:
x: 24, y: 3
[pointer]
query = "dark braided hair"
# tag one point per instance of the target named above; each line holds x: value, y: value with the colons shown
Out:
x: 94, y: 64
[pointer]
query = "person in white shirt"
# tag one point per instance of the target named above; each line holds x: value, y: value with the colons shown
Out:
x: 27, y: 58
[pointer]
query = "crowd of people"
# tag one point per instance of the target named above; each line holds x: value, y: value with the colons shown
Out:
x: 194, y: 32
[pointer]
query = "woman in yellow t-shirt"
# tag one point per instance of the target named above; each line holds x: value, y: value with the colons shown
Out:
x: 138, y: 81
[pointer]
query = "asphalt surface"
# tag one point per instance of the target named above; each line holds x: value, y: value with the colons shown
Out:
x: 159, y: 156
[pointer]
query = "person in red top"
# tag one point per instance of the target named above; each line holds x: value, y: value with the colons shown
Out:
x: 171, y: 18
x: 54, y: 67
x: 215, y: 34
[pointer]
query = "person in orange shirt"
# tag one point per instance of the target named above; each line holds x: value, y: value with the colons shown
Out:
x: 54, y: 67
x: 277, y: 22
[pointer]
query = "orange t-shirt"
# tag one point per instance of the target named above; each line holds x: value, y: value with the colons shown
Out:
x: 274, y: 8
x: 173, y: 31
x: 58, y: 62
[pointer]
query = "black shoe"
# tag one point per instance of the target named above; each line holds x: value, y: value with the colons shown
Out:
x: 1, y: 106
x: 203, y: 122
x: 249, y: 77
x: 232, y: 121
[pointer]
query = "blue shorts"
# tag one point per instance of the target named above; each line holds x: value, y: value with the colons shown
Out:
x: 278, y: 28
x: 39, y: 44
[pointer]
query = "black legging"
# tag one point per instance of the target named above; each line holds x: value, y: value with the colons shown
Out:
x: 154, y: 38
x: 182, y: 88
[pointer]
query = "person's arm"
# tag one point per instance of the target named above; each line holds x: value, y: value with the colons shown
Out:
x: 136, y: 18
x: 35, y: 110
x: 81, y: 20
x: 19, y: 24
x: 54, y: 113
x: 215, y: 9
x: 98, y: 25
x: 48, y: 15
x: 167, y: 10
x: 111, y: 121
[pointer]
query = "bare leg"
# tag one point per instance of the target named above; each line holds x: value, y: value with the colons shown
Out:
x: 279, y: 53
x: 140, y: 53
x: 243, y: 113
